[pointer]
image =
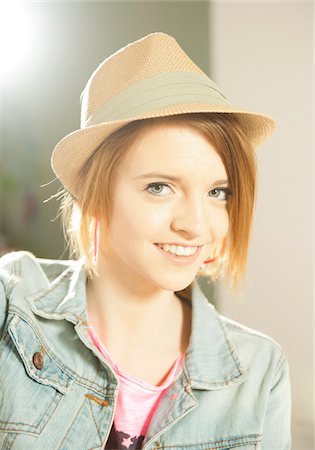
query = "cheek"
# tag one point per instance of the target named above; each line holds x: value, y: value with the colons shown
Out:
x: 134, y: 218
x: 221, y: 226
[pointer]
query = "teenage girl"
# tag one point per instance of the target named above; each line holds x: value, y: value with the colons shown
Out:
x: 119, y: 348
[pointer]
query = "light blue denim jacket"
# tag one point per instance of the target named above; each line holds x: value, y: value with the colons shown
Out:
x: 233, y: 392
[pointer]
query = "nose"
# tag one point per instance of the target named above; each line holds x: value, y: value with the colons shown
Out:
x: 191, y: 217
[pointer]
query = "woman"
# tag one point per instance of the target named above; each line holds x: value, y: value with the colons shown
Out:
x: 119, y: 348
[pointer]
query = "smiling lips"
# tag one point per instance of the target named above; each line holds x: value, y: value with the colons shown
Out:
x: 178, y: 250
x: 179, y: 255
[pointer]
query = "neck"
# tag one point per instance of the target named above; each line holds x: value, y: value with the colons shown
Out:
x: 125, y: 308
x: 115, y: 300
x: 108, y: 296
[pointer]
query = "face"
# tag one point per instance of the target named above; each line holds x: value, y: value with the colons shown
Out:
x: 169, y: 209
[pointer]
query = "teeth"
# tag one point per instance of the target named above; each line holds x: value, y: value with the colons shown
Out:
x: 178, y: 249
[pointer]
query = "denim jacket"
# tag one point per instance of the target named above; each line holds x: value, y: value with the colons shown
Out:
x: 58, y: 392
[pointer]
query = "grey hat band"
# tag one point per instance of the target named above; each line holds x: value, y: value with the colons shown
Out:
x: 166, y: 89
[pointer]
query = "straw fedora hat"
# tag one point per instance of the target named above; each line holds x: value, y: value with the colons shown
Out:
x: 151, y: 77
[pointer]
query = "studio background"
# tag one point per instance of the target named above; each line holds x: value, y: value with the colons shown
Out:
x: 260, y: 55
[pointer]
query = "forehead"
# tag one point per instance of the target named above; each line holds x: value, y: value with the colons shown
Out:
x: 170, y: 147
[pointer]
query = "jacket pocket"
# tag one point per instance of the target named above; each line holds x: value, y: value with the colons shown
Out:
x: 237, y: 447
x: 32, y: 384
x: 243, y: 442
x: 212, y: 446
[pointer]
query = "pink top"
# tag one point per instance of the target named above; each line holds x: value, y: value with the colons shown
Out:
x: 136, y: 402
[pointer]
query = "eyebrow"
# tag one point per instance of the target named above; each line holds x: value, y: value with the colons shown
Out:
x: 171, y: 178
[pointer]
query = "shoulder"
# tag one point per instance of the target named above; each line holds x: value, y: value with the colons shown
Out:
x: 22, y: 274
x: 23, y: 263
x: 254, y: 348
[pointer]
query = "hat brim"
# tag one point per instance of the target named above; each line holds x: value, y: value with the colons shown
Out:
x: 73, y: 150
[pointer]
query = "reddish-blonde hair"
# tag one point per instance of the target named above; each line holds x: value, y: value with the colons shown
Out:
x: 94, y: 185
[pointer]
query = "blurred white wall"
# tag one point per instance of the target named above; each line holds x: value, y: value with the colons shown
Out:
x: 262, y: 60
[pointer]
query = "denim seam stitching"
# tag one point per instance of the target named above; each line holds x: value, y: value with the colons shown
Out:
x: 66, y: 433
x: 56, y: 400
x: 98, y: 430
x: 10, y: 438
x: 233, y: 352
x: 85, y: 382
x: 241, y: 440
x: 66, y: 274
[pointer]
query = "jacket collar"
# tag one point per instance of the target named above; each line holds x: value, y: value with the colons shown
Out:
x: 211, y: 359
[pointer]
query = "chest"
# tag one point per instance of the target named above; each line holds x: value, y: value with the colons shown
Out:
x: 149, y: 357
x: 147, y: 363
x: 63, y: 410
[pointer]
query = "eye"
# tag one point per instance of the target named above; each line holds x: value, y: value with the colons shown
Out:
x: 220, y: 193
x: 157, y: 188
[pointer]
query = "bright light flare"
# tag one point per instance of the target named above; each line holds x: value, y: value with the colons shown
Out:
x: 15, y: 36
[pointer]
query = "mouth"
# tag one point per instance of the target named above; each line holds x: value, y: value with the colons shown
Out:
x: 178, y: 250
x: 179, y: 254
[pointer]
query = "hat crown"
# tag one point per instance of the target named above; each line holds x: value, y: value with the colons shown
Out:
x: 145, y: 58
x: 151, y: 77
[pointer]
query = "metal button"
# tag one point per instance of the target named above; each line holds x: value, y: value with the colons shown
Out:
x: 38, y: 360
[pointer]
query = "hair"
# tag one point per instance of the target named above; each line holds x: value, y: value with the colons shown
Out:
x: 94, y: 187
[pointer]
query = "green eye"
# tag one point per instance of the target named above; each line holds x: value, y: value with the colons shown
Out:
x: 157, y: 188
x: 220, y: 193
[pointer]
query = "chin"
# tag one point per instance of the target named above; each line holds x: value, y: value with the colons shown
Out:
x: 178, y: 283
